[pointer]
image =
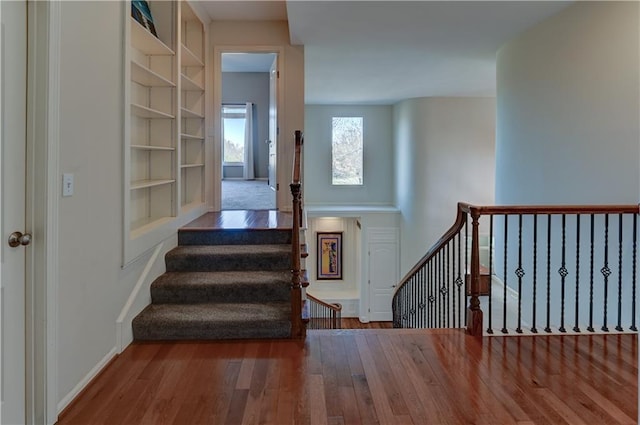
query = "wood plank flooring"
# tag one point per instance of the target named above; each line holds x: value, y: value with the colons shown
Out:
x: 376, y: 376
x: 241, y: 219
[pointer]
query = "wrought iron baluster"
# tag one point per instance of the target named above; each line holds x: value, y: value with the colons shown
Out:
x: 633, y: 272
x: 504, y: 294
x: 490, y: 325
x: 466, y: 261
x: 460, y: 282
x: 519, y: 274
x: 563, y: 274
x: 619, y: 326
x: 453, y: 276
x: 535, y: 272
x: 440, y: 293
x: 446, y: 283
x: 548, y: 327
x: 606, y: 271
x: 590, y: 327
x: 576, y: 328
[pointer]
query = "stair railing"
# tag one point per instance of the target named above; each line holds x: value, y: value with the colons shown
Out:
x: 323, y: 315
x: 298, y: 328
x: 559, y: 268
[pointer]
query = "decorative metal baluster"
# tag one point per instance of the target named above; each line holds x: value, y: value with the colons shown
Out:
x: 606, y: 271
x: 459, y: 281
x: 466, y: 261
x: 432, y: 316
x: 619, y: 326
x: 504, y: 294
x: 420, y: 297
x: 576, y: 328
x: 440, y: 291
x: 490, y: 326
x: 590, y: 327
x: 446, y: 284
x: 535, y: 272
x: 633, y: 272
x: 519, y: 274
x: 563, y: 274
x: 453, y: 276
x: 548, y: 327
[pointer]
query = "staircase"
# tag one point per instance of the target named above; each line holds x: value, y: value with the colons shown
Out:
x: 221, y: 284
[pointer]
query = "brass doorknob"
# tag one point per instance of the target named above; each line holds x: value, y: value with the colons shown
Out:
x: 18, y: 238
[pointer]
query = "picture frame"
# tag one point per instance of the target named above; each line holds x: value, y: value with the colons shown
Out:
x: 141, y: 12
x: 329, y: 255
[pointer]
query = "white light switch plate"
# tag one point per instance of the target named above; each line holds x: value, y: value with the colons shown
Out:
x: 67, y: 184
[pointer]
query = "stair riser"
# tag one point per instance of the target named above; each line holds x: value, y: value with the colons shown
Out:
x: 180, y: 331
x: 219, y: 294
x: 212, y: 263
x: 234, y: 237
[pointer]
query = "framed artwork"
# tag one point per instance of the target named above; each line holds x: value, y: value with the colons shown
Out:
x: 141, y: 13
x: 329, y: 253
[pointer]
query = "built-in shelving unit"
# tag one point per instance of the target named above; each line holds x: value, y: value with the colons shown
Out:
x: 165, y: 129
x: 192, y: 112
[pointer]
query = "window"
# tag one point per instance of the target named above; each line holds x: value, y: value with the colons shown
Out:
x: 346, y: 150
x: 233, y: 123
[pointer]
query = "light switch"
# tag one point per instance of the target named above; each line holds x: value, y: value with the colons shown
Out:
x: 67, y: 184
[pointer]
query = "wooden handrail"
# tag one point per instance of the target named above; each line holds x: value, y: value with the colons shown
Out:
x: 549, y: 209
x: 298, y: 329
x: 332, y: 306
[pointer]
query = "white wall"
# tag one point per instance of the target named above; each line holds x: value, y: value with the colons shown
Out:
x: 248, y: 36
x: 378, y: 156
x: 568, y: 108
x: 444, y: 154
x: 92, y: 286
x: 242, y: 87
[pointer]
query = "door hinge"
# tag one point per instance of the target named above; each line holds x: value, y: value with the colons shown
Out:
x: 277, y: 186
x: 278, y: 74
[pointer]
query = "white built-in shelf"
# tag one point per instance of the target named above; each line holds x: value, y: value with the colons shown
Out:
x: 191, y: 165
x: 189, y: 58
x: 146, y: 42
x: 142, y: 226
x: 152, y: 148
x: 145, y: 112
x: 189, y: 85
x: 143, y: 184
x: 148, y: 78
x: 185, y: 136
x: 186, y: 113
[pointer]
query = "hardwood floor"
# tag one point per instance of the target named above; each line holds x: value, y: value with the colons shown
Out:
x: 376, y: 376
x: 354, y: 323
x: 241, y: 219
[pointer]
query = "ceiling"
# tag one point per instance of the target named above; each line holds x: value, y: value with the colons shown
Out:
x: 247, y: 62
x: 380, y: 52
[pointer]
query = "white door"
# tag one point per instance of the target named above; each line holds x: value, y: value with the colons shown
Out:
x: 273, y: 124
x: 13, y: 71
x: 383, y: 272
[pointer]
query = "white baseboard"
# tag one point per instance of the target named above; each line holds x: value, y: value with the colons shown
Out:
x: 85, y: 381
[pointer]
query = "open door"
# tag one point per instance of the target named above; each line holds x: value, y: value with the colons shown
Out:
x: 13, y: 94
x: 273, y: 125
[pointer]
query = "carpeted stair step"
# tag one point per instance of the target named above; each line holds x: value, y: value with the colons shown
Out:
x: 229, y: 286
x: 205, y: 258
x: 213, y: 321
x: 233, y: 236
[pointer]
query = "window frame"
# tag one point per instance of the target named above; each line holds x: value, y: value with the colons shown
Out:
x: 361, y: 119
x: 224, y: 115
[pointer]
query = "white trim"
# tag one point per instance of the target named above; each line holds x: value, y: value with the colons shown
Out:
x: 124, y: 338
x: 51, y: 226
x: 87, y: 378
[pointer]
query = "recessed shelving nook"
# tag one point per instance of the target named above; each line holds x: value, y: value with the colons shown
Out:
x: 165, y: 124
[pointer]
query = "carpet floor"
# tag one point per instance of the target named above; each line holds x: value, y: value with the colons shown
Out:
x: 247, y: 195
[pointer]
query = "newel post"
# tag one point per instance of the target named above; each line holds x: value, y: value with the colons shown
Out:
x: 298, y: 330
x: 474, y: 313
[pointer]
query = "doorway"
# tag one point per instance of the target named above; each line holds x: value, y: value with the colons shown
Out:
x: 248, y: 115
